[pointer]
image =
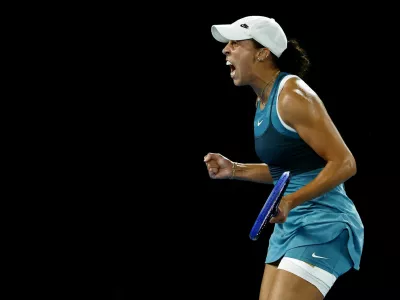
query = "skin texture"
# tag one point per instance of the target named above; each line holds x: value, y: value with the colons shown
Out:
x: 282, y: 285
x: 300, y: 108
x: 252, y: 66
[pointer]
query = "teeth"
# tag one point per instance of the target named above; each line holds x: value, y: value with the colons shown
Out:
x: 228, y: 63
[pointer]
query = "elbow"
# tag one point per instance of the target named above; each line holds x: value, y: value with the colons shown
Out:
x: 351, y: 166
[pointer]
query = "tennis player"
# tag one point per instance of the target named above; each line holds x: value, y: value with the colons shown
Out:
x: 318, y: 234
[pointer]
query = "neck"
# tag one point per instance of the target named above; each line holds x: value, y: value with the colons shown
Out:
x: 264, y: 83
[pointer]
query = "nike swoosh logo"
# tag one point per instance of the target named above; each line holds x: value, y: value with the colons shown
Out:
x: 316, y: 256
x: 259, y: 122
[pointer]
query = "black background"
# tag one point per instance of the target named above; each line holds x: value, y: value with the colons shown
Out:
x: 147, y: 221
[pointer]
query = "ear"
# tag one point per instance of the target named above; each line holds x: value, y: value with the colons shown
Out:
x: 262, y: 54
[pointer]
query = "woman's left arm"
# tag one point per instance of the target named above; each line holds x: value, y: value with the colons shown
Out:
x: 301, y: 108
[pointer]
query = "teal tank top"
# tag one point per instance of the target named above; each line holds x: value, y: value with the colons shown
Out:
x: 318, y: 220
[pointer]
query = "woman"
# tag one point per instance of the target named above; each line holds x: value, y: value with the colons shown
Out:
x: 318, y: 234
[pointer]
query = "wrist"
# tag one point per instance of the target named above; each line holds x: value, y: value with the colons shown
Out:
x: 290, y: 203
x: 234, y: 169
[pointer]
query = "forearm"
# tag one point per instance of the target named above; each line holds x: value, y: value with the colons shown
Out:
x: 253, y: 172
x: 333, y: 174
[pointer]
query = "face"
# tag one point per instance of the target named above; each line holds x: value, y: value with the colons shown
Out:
x: 241, y: 57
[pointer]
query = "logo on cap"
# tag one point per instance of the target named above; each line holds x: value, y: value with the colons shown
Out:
x: 244, y: 26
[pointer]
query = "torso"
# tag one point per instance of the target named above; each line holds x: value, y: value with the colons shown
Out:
x: 276, y: 143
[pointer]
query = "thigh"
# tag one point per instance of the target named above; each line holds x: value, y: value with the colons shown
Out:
x: 309, y: 272
x: 288, y: 286
x: 267, y: 280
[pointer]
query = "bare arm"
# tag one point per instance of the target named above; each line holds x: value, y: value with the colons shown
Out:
x: 253, y: 172
x: 301, y: 109
x: 220, y: 167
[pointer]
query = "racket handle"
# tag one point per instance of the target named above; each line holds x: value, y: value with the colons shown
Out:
x: 275, y: 210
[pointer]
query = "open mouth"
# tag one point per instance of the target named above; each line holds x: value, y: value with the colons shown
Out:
x: 232, y: 67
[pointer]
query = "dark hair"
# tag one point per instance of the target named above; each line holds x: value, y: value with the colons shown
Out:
x: 294, y: 59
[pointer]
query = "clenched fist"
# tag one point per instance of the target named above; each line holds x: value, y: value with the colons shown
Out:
x: 218, y: 166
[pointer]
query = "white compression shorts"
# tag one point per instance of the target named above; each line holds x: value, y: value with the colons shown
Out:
x: 320, y: 278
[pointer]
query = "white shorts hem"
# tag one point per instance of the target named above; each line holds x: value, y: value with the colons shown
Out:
x: 320, y: 278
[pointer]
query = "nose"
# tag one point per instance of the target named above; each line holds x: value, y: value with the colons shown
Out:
x: 226, y: 49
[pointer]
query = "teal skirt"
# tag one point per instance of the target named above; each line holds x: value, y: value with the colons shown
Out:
x: 318, y: 221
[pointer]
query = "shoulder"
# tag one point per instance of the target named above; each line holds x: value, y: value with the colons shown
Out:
x: 298, y: 101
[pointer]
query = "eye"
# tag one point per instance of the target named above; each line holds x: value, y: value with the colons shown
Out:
x: 234, y: 43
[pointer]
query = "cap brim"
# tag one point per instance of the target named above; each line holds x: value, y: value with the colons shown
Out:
x: 226, y: 33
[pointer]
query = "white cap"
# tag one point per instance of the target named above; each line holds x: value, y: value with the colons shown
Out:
x: 264, y: 30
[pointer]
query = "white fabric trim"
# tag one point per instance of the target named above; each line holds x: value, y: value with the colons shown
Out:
x: 280, y: 87
x: 320, y: 278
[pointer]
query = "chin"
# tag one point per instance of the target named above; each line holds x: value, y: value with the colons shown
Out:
x: 238, y: 82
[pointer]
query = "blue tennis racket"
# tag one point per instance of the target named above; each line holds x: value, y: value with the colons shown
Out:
x: 270, y: 208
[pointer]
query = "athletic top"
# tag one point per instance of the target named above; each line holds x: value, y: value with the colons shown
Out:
x: 318, y: 220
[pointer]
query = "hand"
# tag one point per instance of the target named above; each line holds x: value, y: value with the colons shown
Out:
x: 283, y: 211
x: 218, y: 166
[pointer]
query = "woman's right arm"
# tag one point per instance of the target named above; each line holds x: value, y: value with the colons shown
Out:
x: 252, y: 172
x: 220, y: 167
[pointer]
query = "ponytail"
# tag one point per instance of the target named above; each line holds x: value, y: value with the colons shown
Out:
x: 293, y: 60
